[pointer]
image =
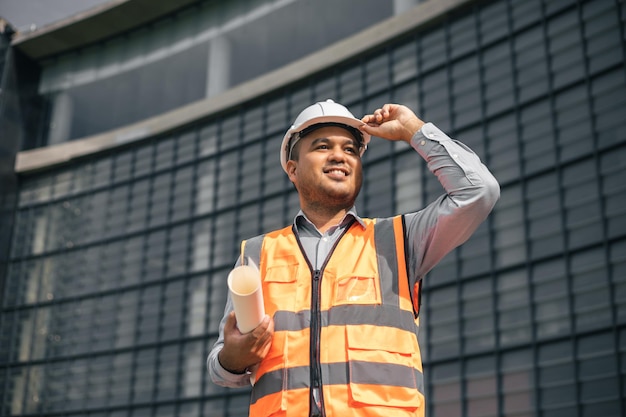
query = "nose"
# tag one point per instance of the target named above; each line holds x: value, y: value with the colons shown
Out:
x: 337, y: 154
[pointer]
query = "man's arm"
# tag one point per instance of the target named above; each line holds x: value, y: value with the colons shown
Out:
x: 471, y: 190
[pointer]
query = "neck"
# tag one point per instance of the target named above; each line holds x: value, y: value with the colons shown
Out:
x: 324, y: 217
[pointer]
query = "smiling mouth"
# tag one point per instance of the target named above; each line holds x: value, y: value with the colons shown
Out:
x: 337, y: 172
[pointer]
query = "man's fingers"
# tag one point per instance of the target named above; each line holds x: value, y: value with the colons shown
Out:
x: 261, y: 342
x: 262, y: 327
x: 386, y: 111
x: 260, y: 338
x: 379, y: 115
x: 263, y: 331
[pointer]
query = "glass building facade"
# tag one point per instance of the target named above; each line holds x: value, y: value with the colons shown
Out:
x: 114, y: 280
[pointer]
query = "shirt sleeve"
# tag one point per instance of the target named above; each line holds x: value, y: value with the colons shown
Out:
x: 471, y: 192
x: 219, y: 375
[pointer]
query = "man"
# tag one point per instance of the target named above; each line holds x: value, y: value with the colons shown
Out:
x: 342, y: 293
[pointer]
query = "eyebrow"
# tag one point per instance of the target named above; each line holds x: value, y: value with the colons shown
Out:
x: 326, y: 140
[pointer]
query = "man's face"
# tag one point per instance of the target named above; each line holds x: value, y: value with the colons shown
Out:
x: 327, y: 170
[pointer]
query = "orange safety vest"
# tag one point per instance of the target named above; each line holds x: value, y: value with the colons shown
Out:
x: 345, y: 341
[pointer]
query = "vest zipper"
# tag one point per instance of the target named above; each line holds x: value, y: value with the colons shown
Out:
x: 316, y: 396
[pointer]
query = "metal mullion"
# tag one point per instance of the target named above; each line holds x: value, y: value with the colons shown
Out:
x: 239, y: 178
x: 36, y: 311
x: 121, y: 289
x: 164, y: 281
x: 219, y: 155
x: 269, y: 131
x: 6, y: 366
x: 561, y: 198
x: 394, y: 151
x: 195, y: 190
x: 336, y: 73
x: 310, y: 88
x: 89, y: 354
x: 288, y: 189
x: 490, y: 224
x: 33, y: 330
x: 183, y: 342
x: 20, y: 262
x: 111, y: 187
x: 180, y: 341
x: 263, y: 157
x: 601, y: 202
x: 194, y: 163
x: 141, y: 285
x: 11, y: 362
x: 131, y: 177
x: 158, y: 345
x: 97, y: 297
x: 462, y: 357
x: 523, y: 186
x: 364, y: 192
x: 621, y: 11
x: 212, y: 217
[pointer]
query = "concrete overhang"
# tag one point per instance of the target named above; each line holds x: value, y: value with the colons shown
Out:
x: 93, y: 25
x: 424, y: 14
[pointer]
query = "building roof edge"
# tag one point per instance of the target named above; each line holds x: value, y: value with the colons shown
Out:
x: 425, y: 13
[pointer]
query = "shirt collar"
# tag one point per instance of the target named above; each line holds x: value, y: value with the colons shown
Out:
x: 302, y: 221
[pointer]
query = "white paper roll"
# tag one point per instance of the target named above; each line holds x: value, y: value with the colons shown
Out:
x: 244, y: 284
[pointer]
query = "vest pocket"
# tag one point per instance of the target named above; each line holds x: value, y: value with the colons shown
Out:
x: 352, y: 289
x: 381, y: 369
x: 280, y: 285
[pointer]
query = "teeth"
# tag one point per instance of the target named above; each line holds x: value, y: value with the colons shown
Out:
x: 336, y: 171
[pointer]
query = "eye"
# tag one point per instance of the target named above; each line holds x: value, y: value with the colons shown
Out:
x: 322, y: 147
x: 351, y: 149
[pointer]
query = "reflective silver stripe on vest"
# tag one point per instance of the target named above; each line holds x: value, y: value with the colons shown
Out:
x: 378, y: 315
x: 253, y: 249
x: 340, y: 373
x: 386, y: 251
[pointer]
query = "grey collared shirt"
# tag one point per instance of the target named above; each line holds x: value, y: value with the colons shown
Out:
x: 471, y: 191
x: 317, y: 245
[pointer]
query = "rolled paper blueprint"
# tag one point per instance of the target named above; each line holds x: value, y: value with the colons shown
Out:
x: 244, y: 284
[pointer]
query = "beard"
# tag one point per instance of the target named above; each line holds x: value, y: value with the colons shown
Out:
x: 324, y: 197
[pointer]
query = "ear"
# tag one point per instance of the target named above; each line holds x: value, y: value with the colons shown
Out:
x: 291, y: 170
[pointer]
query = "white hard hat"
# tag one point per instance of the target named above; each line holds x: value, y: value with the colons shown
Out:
x: 321, y: 113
